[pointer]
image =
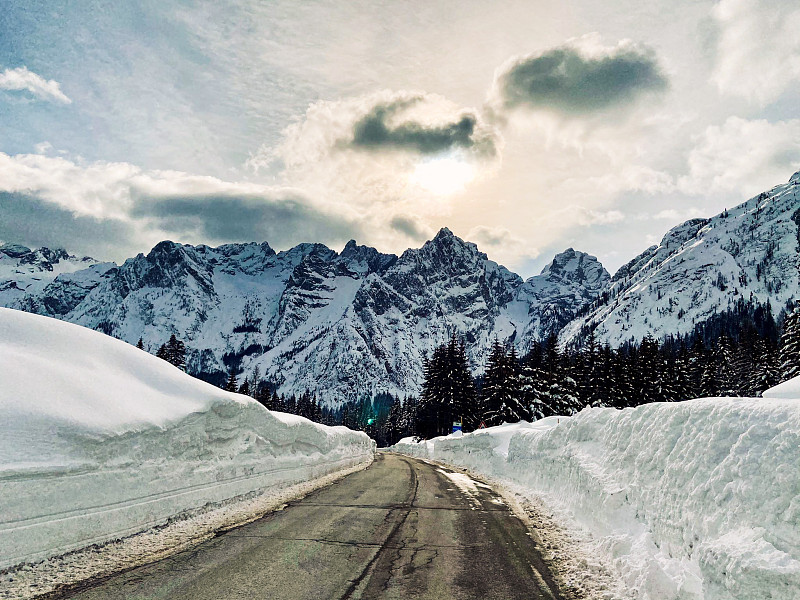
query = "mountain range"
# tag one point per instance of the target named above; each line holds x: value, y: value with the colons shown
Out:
x: 359, y: 322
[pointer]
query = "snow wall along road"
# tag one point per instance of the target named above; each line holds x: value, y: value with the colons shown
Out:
x: 99, y: 440
x: 690, y: 500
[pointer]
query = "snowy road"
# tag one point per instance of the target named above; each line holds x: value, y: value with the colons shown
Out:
x: 402, y: 528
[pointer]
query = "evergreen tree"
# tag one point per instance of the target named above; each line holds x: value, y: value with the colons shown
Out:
x: 231, y: 386
x: 174, y: 352
x: 723, y: 358
x: 790, y: 346
x: 564, y: 395
x: 502, y: 400
x: 448, y: 391
x: 140, y: 344
x: 245, y: 388
x: 533, y: 384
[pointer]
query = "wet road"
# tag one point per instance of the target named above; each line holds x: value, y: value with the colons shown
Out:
x: 402, y: 528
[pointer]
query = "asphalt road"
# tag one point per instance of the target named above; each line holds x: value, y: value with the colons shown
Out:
x: 402, y: 528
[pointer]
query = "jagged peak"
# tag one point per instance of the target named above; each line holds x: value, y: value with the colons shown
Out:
x: 444, y: 233
x: 447, y: 239
x: 795, y: 178
x: 569, y: 260
x: 574, y: 265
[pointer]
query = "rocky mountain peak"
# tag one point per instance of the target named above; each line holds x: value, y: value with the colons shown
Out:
x: 366, y: 258
x: 573, y: 266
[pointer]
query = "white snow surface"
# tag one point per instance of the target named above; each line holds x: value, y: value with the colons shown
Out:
x: 702, y: 268
x: 695, y: 500
x: 99, y: 440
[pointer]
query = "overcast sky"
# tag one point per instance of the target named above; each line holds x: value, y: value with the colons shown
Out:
x: 524, y: 126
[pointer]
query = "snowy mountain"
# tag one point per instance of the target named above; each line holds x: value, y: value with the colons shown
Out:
x: 701, y: 268
x: 344, y: 325
x: 26, y: 272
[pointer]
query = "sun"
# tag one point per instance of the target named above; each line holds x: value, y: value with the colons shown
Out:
x: 443, y: 176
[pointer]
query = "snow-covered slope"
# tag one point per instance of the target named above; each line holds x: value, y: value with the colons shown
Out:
x: 698, y: 500
x: 99, y: 440
x: 702, y: 267
x: 343, y: 325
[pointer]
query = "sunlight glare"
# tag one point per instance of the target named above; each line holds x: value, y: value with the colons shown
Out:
x: 443, y: 176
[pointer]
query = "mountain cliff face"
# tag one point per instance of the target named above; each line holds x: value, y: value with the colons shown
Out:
x: 703, y: 267
x: 344, y: 325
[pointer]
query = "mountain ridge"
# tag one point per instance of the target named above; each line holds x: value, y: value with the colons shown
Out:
x: 342, y: 324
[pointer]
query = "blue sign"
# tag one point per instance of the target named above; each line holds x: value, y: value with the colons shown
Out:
x: 456, y: 426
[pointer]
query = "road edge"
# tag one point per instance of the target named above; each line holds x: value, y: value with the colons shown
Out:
x: 59, y: 576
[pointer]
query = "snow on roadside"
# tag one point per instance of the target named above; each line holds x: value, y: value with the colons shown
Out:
x: 100, y: 440
x: 61, y: 573
x: 697, y: 500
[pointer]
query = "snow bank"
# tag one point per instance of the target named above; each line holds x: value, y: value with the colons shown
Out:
x: 692, y: 500
x: 99, y: 440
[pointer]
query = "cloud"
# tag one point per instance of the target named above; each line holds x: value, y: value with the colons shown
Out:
x: 381, y: 123
x: 412, y: 227
x: 120, y: 197
x: 503, y: 244
x: 758, y: 49
x: 375, y: 131
x: 384, y: 154
x: 675, y: 215
x: 281, y: 221
x: 581, y: 77
x: 20, y: 79
x: 582, y: 216
x: 742, y: 156
x: 34, y: 222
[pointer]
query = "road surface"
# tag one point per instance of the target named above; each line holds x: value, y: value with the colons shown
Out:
x: 402, y: 528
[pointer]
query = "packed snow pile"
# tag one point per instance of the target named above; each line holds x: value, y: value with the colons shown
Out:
x: 691, y: 500
x: 99, y: 440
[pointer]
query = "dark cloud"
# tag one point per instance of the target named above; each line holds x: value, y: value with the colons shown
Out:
x: 410, y: 227
x: 374, y: 132
x: 34, y: 222
x: 222, y: 218
x: 563, y: 79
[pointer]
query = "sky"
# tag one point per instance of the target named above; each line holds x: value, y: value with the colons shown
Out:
x: 526, y: 127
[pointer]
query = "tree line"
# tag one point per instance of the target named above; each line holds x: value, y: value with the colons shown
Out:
x: 739, y: 352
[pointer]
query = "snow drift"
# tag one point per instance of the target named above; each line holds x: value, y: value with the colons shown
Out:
x: 691, y: 500
x: 99, y: 440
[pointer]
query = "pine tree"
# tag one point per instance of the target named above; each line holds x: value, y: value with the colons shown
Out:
x: 448, y: 392
x: 174, y: 352
x: 502, y: 399
x: 140, y: 344
x: 564, y: 396
x: 790, y: 346
x: 231, y: 386
x: 724, y: 360
x: 533, y: 385
x: 245, y: 388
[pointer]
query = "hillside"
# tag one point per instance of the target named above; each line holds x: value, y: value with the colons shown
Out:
x: 703, y: 267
